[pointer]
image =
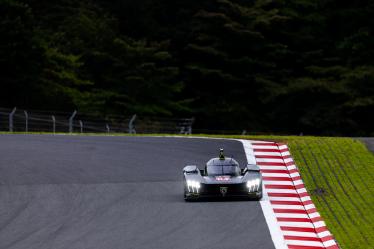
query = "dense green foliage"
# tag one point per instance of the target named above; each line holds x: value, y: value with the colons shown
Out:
x: 282, y: 66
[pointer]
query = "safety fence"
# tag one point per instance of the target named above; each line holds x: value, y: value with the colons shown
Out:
x: 19, y: 120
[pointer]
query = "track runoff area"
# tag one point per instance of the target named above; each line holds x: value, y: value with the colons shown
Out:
x: 292, y: 218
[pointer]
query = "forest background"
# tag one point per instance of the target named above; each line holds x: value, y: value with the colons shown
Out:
x: 281, y: 66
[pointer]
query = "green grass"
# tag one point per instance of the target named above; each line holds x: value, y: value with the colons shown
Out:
x: 339, y: 175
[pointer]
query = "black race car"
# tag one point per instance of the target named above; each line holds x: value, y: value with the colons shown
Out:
x: 222, y: 177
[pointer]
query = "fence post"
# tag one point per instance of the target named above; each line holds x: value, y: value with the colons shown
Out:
x: 81, y: 125
x: 71, y: 121
x: 53, y: 124
x: 11, y: 119
x: 26, y: 121
x: 131, y: 125
x: 107, y: 128
x: 189, y: 129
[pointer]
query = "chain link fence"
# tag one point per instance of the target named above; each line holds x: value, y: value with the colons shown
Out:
x: 18, y: 120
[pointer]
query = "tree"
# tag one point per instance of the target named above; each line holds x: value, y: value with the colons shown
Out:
x: 20, y: 53
x: 135, y: 77
x: 227, y: 64
x: 285, y: 66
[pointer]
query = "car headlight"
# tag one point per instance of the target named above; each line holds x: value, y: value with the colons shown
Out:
x: 253, y: 185
x: 193, y: 186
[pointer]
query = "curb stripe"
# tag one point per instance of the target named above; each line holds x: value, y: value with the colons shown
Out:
x: 289, y: 237
x: 286, y: 202
x: 274, y: 171
x: 292, y: 211
x: 271, y: 150
x: 271, y: 164
x: 296, y: 215
x: 283, y: 195
x: 298, y: 229
x: 273, y: 186
x: 273, y: 178
x: 292, y: 218
x: 304, y: 247
x: 268, y: 157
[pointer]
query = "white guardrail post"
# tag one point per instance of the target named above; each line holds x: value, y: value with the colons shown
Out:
x: 53, y: 124
x: 81, y: 125
x: 26, y: 121
x: 131, y: 125
x: 71, y: 119
x: 11, y: 119
x: 190, y: 126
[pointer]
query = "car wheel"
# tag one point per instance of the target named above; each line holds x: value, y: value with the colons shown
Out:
x: 185, y: 193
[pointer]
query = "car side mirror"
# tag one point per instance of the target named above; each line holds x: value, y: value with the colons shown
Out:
x: 191, y: 169
x: 252, y: 167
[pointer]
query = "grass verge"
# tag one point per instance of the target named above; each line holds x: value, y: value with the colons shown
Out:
x: 338, y: 173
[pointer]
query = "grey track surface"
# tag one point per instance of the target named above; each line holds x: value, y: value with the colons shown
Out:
x: 92, y: 192
x: 369, y: 141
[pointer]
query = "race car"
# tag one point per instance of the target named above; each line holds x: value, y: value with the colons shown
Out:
x: 222, y: 178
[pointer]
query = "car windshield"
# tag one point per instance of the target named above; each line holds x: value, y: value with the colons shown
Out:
x: 232, y: 170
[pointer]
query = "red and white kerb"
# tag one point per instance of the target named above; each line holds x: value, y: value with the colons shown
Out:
x: 300, y: 224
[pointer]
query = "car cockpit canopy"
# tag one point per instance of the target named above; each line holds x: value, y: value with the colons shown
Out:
x: 222, y: 166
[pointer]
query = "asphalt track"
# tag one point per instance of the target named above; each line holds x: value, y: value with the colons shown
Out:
x: 369, y: 141
x: 92, y: 192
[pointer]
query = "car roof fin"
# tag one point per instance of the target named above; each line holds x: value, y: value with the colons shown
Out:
x: 221, y: 155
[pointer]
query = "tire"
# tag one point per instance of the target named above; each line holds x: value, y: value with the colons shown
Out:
x: 259, y: 197
x: 184, y: 193
x: 188, y: 199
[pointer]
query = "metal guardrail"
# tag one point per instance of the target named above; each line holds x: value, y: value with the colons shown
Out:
x: 16, y: 120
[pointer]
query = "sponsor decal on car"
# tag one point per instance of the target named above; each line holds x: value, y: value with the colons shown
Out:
x: 223, y: 178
